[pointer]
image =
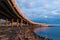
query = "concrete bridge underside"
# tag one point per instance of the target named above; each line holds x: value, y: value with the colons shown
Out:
x: 21, y: 28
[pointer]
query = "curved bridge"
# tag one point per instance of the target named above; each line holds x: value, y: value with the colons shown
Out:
x: 17, y: 26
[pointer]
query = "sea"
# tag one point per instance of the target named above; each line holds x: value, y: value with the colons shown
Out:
x: 51, y: 32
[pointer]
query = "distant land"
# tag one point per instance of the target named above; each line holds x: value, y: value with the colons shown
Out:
x: 49, y: 21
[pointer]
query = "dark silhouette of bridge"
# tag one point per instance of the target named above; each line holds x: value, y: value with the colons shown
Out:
x: 16, y: 26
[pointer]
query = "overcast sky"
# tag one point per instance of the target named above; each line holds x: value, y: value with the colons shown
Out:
x: 40, y: 9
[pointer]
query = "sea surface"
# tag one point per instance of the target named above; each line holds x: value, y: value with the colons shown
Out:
x: 49, y: 32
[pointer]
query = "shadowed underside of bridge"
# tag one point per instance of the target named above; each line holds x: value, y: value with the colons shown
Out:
x: 7, y: 10
x: 21, y: 28
x: 10, y: 10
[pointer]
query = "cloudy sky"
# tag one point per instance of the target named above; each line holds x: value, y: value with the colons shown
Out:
x: 41, y: 9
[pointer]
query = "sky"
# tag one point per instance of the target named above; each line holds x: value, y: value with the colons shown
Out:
x: 41, y: 10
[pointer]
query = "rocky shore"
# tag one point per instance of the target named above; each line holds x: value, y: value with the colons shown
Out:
x: 9, y: 33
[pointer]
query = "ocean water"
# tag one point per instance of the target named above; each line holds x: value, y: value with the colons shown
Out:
x: 52, y: 32
x: 49, y: 32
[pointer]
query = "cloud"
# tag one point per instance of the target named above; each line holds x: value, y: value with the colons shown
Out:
x: 46, y: 5
x: 30, y: 4
x: 34, y: 9
x: 55, y: 2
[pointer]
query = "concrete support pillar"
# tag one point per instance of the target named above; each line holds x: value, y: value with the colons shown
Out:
x: 0, y: 23
x: 17, y: 22
x: 21, y: 22
x: 27, y: 24
x: 12, y: 23
x: 7, y: 22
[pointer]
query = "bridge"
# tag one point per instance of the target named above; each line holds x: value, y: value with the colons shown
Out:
x: 17, y: 26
